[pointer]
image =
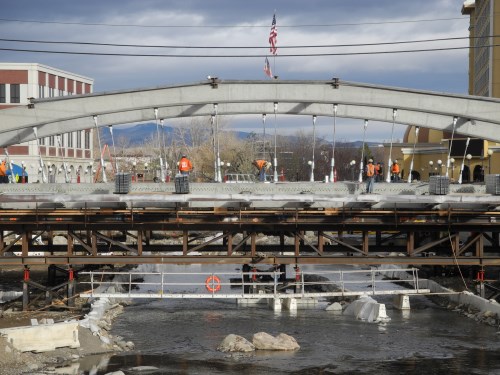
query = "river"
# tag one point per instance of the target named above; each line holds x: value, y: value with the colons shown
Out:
x: 181, y: 336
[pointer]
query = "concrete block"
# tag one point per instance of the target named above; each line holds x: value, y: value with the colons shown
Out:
x: 290, y: 304
x: 402, y: 302
x: 275, y: 304
x: 43, y: 338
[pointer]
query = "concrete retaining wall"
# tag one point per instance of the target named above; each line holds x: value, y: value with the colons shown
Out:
x: 44, y: 337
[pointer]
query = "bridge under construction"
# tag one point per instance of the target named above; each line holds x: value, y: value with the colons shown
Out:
x: 305, y: 223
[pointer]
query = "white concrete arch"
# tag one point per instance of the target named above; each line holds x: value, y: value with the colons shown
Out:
x: 477, y: 116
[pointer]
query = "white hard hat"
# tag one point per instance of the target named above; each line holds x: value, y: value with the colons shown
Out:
x: 370, y: 161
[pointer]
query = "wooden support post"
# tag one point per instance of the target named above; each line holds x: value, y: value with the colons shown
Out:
x: 480, y: 246
x: 297, y: 244
x: 253, y: 243
x: 147, y: 234
x: 456, y: 244
x: 139, y: 242
x: 321, y: 242
x: 365, y: 244
x: 410, y: 243
x: 229, y: 244
x: 25, y: 244
x: 94, y: 243
x: 185, y: 239
x: 69, y: 244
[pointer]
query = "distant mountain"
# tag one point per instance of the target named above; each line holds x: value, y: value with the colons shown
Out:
x: 136, y: 135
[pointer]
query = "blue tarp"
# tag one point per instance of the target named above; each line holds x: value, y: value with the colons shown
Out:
x: 17, y: 169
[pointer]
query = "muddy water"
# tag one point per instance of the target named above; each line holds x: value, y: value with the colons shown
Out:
x: 181, y: 337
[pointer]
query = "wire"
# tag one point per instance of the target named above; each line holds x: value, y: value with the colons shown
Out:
x: 246, y: 56
x: 231, y: 26
x: 245, y: 47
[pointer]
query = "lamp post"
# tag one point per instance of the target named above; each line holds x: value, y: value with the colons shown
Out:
x: 431, y: 163
x: 264, y: 136
x: 313, y: 147
x: 311, y: 164
x: 452, y: 162
x: 134, y: 166
x: 490, y: 153
x: 360, y: 178
x: 448, y: 161
x: 145, y: 171
x: 90, y: 171
x: 352, y: 164
x: 440, y: 164
x: 332, y: 172
x: 389, y: 164
x: 460, y: 178
x: 468, y: 157
x: 413, y: 153
x: 275, y: 146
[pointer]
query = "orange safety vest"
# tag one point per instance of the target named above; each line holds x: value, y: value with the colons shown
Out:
x: 377, y: 169
x: 370, y: 170
x: 260, y: 163
x: 185, y: 165
x: 3, y: 169
x: 395, y: 168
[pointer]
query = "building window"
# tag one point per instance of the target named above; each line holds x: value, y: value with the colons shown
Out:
x: 52, y: 141
x: 42, y: 141
x: 41, y: 92
x: 51, y: 92
x: 70, y: 139
x: 87, y: 139
x: 2, y: 93
x: 15, y: 93
x: 79, y: 139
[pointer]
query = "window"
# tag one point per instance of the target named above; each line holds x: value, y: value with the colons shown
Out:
x: 70, y: 139
x: 52, y: 141
x: 79, y: 139
x: 2, y: 93
x: 87, y: 139
x: 15, y: 93
x: 41, y: 92
x: 42, y: 141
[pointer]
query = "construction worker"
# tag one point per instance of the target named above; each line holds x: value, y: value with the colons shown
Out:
x: 185, y: 166
x: 395, y: 171
x: 3, y: 172
x: 370, y: 176
x: 378, y: 172
x: 262, y: 166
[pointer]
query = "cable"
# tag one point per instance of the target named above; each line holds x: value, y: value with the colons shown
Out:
x: 245, y: 56
x: 232, y: 26
x: 246, y: 47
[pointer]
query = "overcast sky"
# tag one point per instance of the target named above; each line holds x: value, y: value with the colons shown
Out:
x: 224, y: 23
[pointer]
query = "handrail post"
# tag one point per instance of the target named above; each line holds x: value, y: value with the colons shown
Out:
x: 373, y: 282
x: 92, y: 282
x: 129, y: 281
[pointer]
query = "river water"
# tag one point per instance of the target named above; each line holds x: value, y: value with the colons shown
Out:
x: 181, y: 336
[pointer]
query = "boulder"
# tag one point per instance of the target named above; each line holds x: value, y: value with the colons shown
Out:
x: 334, y: 307
x: 265, y: 341
x: 235, y: 343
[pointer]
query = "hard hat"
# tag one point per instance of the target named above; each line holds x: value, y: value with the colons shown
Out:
x: 395, y: 161
x: 370, y: 161
x: 184, y: 156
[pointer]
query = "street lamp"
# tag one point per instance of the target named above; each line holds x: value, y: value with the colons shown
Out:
x: 332, y: 172
x: 490, y: 153
x: 468, y: 157
x: 313, y: 147
x: 431, y: 163
x: 353, y: 164
x: 440, y: 164
x: 145, y: 171
x: 452, y: 162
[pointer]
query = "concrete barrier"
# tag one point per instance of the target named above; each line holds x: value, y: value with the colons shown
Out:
x: 43, y: 337
x: 367, y: 309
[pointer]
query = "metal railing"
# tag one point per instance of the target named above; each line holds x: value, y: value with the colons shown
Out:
x: 239, y: 178
x: 252, y: 285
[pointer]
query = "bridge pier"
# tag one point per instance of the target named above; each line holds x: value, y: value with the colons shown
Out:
x: 402, y: 302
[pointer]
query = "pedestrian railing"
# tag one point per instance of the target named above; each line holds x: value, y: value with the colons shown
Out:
x: 253, y: 284
x: 239, y: 178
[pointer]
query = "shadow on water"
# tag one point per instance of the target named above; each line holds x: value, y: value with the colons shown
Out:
x: 473, y: 362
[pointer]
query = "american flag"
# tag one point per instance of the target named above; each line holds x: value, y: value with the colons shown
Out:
x: 272, y: 36
x: 267, y: 69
